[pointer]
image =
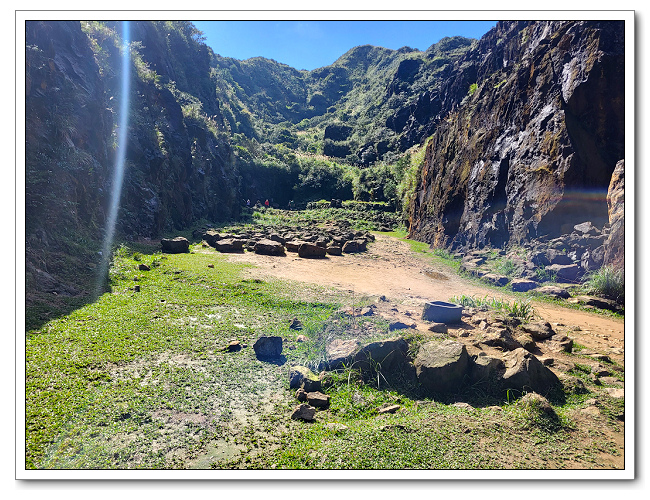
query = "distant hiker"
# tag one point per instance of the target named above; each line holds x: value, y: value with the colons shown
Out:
x: 266, y: 203
x: 248, y: 203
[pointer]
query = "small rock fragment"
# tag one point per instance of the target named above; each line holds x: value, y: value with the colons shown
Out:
x: 388, y: 409
x: 304, y: 412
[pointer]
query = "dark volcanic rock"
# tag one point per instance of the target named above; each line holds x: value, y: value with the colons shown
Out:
x: 175, y: 245
x: 311, y: 250
x: 269, y: 247
x: 228, y: 245
x: 268, y: 347
x: 562, y: 136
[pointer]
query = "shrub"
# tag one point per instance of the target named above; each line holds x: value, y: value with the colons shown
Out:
x: 607, y: 282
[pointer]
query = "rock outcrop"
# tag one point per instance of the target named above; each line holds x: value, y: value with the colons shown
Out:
x: 615, y: 243
x: 531, y: 150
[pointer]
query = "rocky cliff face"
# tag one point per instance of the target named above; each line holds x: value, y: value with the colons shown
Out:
x: 178, y: 163
x: 530, y: 149
x: 179, y: 166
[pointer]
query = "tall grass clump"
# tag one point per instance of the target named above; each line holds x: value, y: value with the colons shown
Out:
x: 607, y: 282
x: 521, y: 309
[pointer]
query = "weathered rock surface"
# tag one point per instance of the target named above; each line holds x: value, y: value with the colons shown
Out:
x: 615, y: 244
x: 303, y: 377
x: 268, y: 247
x: 538, y: 330
x: 311, y: 250
x: 441, y: 366
x: 339, y: 351
x: 175, y: 245
x: 555, y: 291
x: 485, y: 370
x: 503, y: 171
x: 227, y: 245
x: 318, y: 400
x: 524, y: 372
x: 268, y: 347
x: 304, y: 412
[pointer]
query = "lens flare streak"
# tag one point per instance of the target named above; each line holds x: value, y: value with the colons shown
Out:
x: 118, y: 174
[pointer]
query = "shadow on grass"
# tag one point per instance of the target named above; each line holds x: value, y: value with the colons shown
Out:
x: 59, y: 283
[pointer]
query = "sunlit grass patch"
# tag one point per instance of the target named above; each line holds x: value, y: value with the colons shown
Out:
x: 106, y: 368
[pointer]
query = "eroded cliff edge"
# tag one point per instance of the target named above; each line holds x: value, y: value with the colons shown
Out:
x: 531, y: 149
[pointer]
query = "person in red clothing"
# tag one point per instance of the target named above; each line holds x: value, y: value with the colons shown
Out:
x: 266, y: 203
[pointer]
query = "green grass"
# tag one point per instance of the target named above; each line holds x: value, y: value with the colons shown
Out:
x: 607, y: 282
x: 141, y: 380
x: 519, y: 308
x: 104, y: 369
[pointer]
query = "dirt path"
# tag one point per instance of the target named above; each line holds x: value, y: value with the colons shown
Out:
x: 390, y: 268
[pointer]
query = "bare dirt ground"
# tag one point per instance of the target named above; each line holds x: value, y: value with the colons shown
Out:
x: 407, y: 280
x: 390, y: 268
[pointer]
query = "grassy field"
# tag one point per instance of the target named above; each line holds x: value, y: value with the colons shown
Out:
x: 140, y: 379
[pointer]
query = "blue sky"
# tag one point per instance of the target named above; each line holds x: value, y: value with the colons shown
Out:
x: 313, y: 44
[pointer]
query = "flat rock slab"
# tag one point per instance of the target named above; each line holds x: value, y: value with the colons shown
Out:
x: 555, y: 291
x: 311, y: 250
x: 318, y: 400
x: 268, y: 247
x: 519, y: 285
x: 175, y: 245
x: 229, y: 245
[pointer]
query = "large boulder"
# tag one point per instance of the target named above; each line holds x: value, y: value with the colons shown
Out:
x: 293, y: 245
x: 524, y: 372
x: 383, y: 355
x: 340, y: 352
x: 486, y: 370
x: 175, y: 245
x: 268, y: 247
x: 565, y: 274
x: 522, y: 285
x: 229, y: 245
x: 210, y: 236
x: 441, y: 367
x: 354, y: 246
x: 538, y: 330
x: 311, y: 250
x: 333, y: 249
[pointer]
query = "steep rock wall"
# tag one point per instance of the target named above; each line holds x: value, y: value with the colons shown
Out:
x: 179, y: 165
x: 530, y: 151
